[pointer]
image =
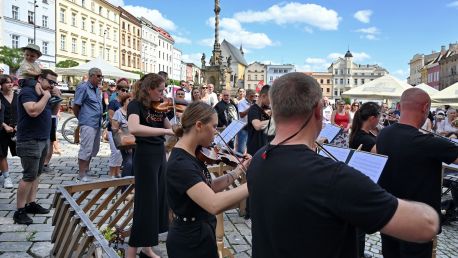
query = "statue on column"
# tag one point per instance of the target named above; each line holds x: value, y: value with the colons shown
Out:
x: 229, y: 59
x: 202, y: 60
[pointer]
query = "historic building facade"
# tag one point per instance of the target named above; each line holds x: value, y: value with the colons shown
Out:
x: 131, y: 41
x: 255, y: 74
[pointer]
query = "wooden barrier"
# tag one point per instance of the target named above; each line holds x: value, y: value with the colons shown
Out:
x: 80, y: 212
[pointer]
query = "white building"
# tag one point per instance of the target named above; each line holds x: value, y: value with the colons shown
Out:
x: 347, y: 74
x: 255, y: 74
x: 183, y: 71
x: 176, y: 64
x: 276, y: 71
x: 164, y: 50
x: 18, y: 29
x: 150, y: 38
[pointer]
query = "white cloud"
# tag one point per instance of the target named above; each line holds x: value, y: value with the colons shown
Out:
x: 181, y: 40
x: 310, y: 14
x: 369, y: 33
x: 401, y: 73
x: 312, y: 60
x: 192, y: 58
x: 232, y: 31
x: 453, y: 4
x: 363, y: 16
x: 152, y: 15
x: 116, y: 2
x: 308, y: 30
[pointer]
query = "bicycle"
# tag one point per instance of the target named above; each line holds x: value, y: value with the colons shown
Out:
x: 70, y: 128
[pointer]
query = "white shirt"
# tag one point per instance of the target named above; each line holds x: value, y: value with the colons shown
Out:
x: 214, y: 98
x: 445, y: 126
x: 327, y: 112
x: 243, y: 106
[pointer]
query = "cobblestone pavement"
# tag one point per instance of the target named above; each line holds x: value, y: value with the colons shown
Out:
x: 34, y: 240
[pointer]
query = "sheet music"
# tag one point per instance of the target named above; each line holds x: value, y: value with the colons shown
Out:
x: 341, y: 154
x: 229, y: 132
x: 329, y: 131
x: 450, y: 166
x: 369, y: 164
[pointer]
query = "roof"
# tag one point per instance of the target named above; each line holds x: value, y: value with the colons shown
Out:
x: 348, y: 54
x: 160, y: 30
x: 128, y: 16
x: 235, y: 53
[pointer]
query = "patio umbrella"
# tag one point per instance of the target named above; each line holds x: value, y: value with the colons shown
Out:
x: 449, y: 94
x: 428, y: 89
x: 385, y: 87
x: 107, y: 69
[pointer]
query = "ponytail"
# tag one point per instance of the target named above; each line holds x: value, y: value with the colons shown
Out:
x: 367, y: 110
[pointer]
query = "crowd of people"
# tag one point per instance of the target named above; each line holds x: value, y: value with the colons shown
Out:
x: 324, y: 207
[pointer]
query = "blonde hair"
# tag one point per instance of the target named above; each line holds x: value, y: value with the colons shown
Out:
x: 196, y: 111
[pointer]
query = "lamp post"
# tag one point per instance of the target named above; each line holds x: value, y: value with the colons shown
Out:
x: 34, y: 21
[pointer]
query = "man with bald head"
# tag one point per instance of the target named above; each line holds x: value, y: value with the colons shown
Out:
x: 413, y: 169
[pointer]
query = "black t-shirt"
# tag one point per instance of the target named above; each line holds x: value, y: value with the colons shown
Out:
x: 366, y: 139
x: 183, y: 172
x: 113, y: 105
x: 413, y: 169
x: 256, y: 139
x: 226, y: 113
x: 301, y: 202
x: 148, y: 117
x: 10, y: 111
x: 32, y: 128
x: 2, y: 115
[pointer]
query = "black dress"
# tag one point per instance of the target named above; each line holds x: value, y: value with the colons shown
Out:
x: 150, y: 205
x: 192, y: 232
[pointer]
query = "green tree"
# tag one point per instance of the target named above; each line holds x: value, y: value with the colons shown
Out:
x: 67, y: 63
x: 12, y: 57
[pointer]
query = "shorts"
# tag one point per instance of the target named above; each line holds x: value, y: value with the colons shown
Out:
x: 52, y: 136
x: 32, y: 154
x: 7, y: 142
x: 115, y: 157
x: 89, y: 142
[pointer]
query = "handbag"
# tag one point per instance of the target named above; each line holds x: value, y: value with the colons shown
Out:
x: 123, y: 140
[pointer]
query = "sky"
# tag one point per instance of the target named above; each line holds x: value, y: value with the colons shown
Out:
x: 310, y: 35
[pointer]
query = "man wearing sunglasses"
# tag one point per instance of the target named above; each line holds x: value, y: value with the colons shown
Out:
x: 32, y: 140
x: 88, y: 109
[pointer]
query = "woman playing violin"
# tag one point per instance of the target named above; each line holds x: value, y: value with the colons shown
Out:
x: 194, y: 197
x: 149, y: 126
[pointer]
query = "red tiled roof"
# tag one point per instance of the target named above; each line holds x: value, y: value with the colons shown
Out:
x: 164, y: 33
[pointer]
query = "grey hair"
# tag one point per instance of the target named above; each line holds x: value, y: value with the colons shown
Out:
x: 294, y: 95
x: 451, y: 110
x: 94, y: 70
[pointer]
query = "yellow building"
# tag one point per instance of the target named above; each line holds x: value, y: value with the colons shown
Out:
x: 87, y: 29
x: 325, y: 81
x: 131, y: 38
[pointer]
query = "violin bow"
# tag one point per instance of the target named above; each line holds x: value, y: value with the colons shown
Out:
x: 232, y: 152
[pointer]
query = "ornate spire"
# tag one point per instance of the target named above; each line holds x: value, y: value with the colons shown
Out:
x: 241, y: 49
x: 217, y: 10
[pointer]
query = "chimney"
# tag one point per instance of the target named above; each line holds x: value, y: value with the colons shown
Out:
x: 443, y: 50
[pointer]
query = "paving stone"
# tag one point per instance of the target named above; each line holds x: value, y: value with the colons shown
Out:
x: 43, y: 236
x: 12, y: 228
x: 4, y: 220
x: 6, y: 195
x: 41, y: 249
x: 15, y: 255
x: 14, y: 236
x: 15, y: 246
x: 39, y: 228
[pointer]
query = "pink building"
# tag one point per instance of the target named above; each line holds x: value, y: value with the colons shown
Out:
x: 433, y: 75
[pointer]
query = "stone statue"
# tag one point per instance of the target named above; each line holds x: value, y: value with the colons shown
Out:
x: 202, y: 60
x: 229, y: 59
x: 220, y: 60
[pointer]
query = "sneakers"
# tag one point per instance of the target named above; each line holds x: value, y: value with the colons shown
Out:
x: 7, y: 183
x: 46, y: 169
x: 21, y: 217
x: 35, y: 208
x: 83, y: 179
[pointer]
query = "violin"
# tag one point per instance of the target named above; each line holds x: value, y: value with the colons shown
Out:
x: 267, y: 110
x: 213, y: 156
x: 169, y: 104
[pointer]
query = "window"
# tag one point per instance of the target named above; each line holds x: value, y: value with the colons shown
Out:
x: 83, y: 3
x: 44, y: 21
x: 92, y: 26
x: 249, y: 77
x: 108, y: 54
x: 123, y: 59
x: 83, y: 23
x: 108, y: 14
x: 73, y: 45
x: 15, y: 12
x: 100, y: 30
x: 255, y: 77
x: 100, y: 10
x: 115, y: 36
x: 14, y: 41
x: 30, y: 17
x: 108, y: 33
x: 356, y: 81
x: 341, y: 81
x: 62, y: 42
x: 271, y: 78
x: 321, y: 81
x: 123, y: 41
x: 100, y: 52
x: 128, y: 41
x: 83, y: 48
x: 123, y: 25
x: 74, y: 19
x: 328, y: 90
x: 348, y: 71
x: 44, y: 48
x: 362, y: 81
x: 92, y: 6
x: 115, y: 56
x: 133, y: 62
x: 328, y: 81
x: 348, y: 81
x: 92, y: 50
x: 336, y: 81
x: 62, y: 15
x: 30, y: 41
x: 134, y: 45
x: 336, y: 71
x: 45, y: 1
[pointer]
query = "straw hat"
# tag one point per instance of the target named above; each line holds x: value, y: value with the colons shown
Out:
x: 34, y: 48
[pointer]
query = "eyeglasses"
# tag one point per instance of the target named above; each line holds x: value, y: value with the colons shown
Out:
x: 51, y: 82
x: 124, y: 90
x: 99, y: 76
x: 204, y: 87
x: 180, y: 94
x: 256, y: 95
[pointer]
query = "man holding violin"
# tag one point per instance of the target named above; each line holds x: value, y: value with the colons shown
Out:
x: 314, y: 200
x: 413, y: 169
x: 258, y: 120
x: 227, y: 111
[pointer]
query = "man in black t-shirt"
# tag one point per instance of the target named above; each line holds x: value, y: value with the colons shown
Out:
x: 413, y: 169
x: 258, y: 120
x: 226, y: 110
x: 305, y: 205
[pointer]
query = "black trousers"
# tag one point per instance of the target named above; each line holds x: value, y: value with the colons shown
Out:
x: 192, y: 240
x: 395, y: 248
x: 150, y: 204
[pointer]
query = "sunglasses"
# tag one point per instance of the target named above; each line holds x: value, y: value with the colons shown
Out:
x: 124, y: 90
x: 99, y: 76
x: 204, y: 87
x: 51, y: 82
x: 180, y: 94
